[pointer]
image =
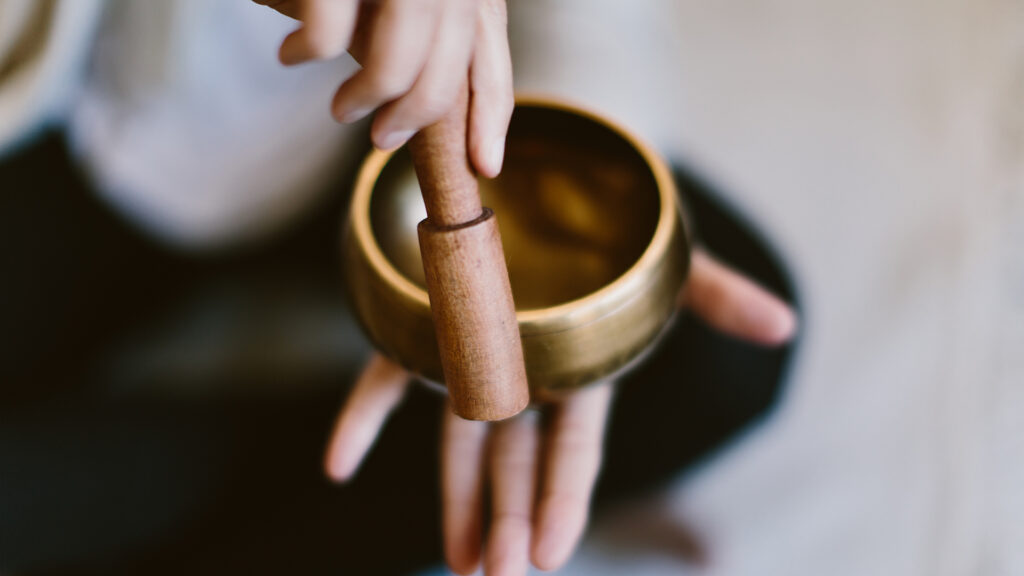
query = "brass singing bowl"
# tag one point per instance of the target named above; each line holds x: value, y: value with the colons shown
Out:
x: 596, y: 248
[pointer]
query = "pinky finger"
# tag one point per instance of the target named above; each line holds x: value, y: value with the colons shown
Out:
x: 380, y: 387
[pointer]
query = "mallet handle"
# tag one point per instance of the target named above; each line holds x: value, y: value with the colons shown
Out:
x: 467, y: 278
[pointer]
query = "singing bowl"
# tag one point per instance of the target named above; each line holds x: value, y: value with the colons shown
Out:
x: 596, y: 248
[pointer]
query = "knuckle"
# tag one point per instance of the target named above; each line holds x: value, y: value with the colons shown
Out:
x: 576, y: 441
x: 432, y: 104
x: 464, y: 449
x: 521, y: 519
x: 467, y: 12
x: 497, y: 87
x: 320, y: 45
x: 462, y: 501
x: 385, y: 82
x: 425, y: 8
x: 513, y: 457
x: 563, y: 500
x: 496, y: 10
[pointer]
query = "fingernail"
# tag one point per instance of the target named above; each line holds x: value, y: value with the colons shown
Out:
x: 355, y: 115
x: 496, y: 157
x: 395, y: 139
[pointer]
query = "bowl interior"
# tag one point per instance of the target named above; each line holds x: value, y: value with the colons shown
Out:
x: 577, y: 206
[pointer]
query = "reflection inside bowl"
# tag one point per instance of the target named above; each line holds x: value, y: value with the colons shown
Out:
x: 577, y: 207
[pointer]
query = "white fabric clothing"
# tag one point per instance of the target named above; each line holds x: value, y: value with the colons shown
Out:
x: 43, y: 45
x: 192, y: 127
x: 181, y: 112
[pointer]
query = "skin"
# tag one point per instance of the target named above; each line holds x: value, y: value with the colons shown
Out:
x: 536, y: 519
x: 416, y: 54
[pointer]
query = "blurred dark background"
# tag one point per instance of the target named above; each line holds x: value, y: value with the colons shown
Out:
x: 165, y: 413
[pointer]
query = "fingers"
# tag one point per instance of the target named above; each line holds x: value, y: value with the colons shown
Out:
x: 513, y: 474
x: 380, y: 387
x: 463, y: 444
x: 735, y: 305
x: 399, y: 43
x: 443, y: 75
x: 289, y: 8
x: 326, y: 31
x: 492, y: 97
x: 415, y: 56
x: 573, y: 460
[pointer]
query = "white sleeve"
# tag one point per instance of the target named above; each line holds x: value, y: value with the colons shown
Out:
x: 43, y: 45
x: 188, y: 125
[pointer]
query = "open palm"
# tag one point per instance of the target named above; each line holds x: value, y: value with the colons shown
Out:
x: 541, y: 477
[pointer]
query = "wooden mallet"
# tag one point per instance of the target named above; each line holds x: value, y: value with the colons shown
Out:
x: 467, y: 278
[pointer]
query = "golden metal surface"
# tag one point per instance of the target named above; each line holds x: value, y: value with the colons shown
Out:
x: 595, y: 245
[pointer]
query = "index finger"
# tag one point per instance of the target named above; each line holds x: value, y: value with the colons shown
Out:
x: 378, y: 390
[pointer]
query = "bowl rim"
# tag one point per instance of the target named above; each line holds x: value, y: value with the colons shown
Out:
x: 566, y: 315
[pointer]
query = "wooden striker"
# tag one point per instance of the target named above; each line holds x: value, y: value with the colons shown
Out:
x: 467, y: 278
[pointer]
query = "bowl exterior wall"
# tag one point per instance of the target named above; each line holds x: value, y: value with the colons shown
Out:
x: 560, y: 360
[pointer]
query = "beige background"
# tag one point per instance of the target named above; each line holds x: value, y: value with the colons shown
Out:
x: 881, y: 145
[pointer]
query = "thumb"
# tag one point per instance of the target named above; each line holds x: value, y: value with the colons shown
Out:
x: 735, y: 305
